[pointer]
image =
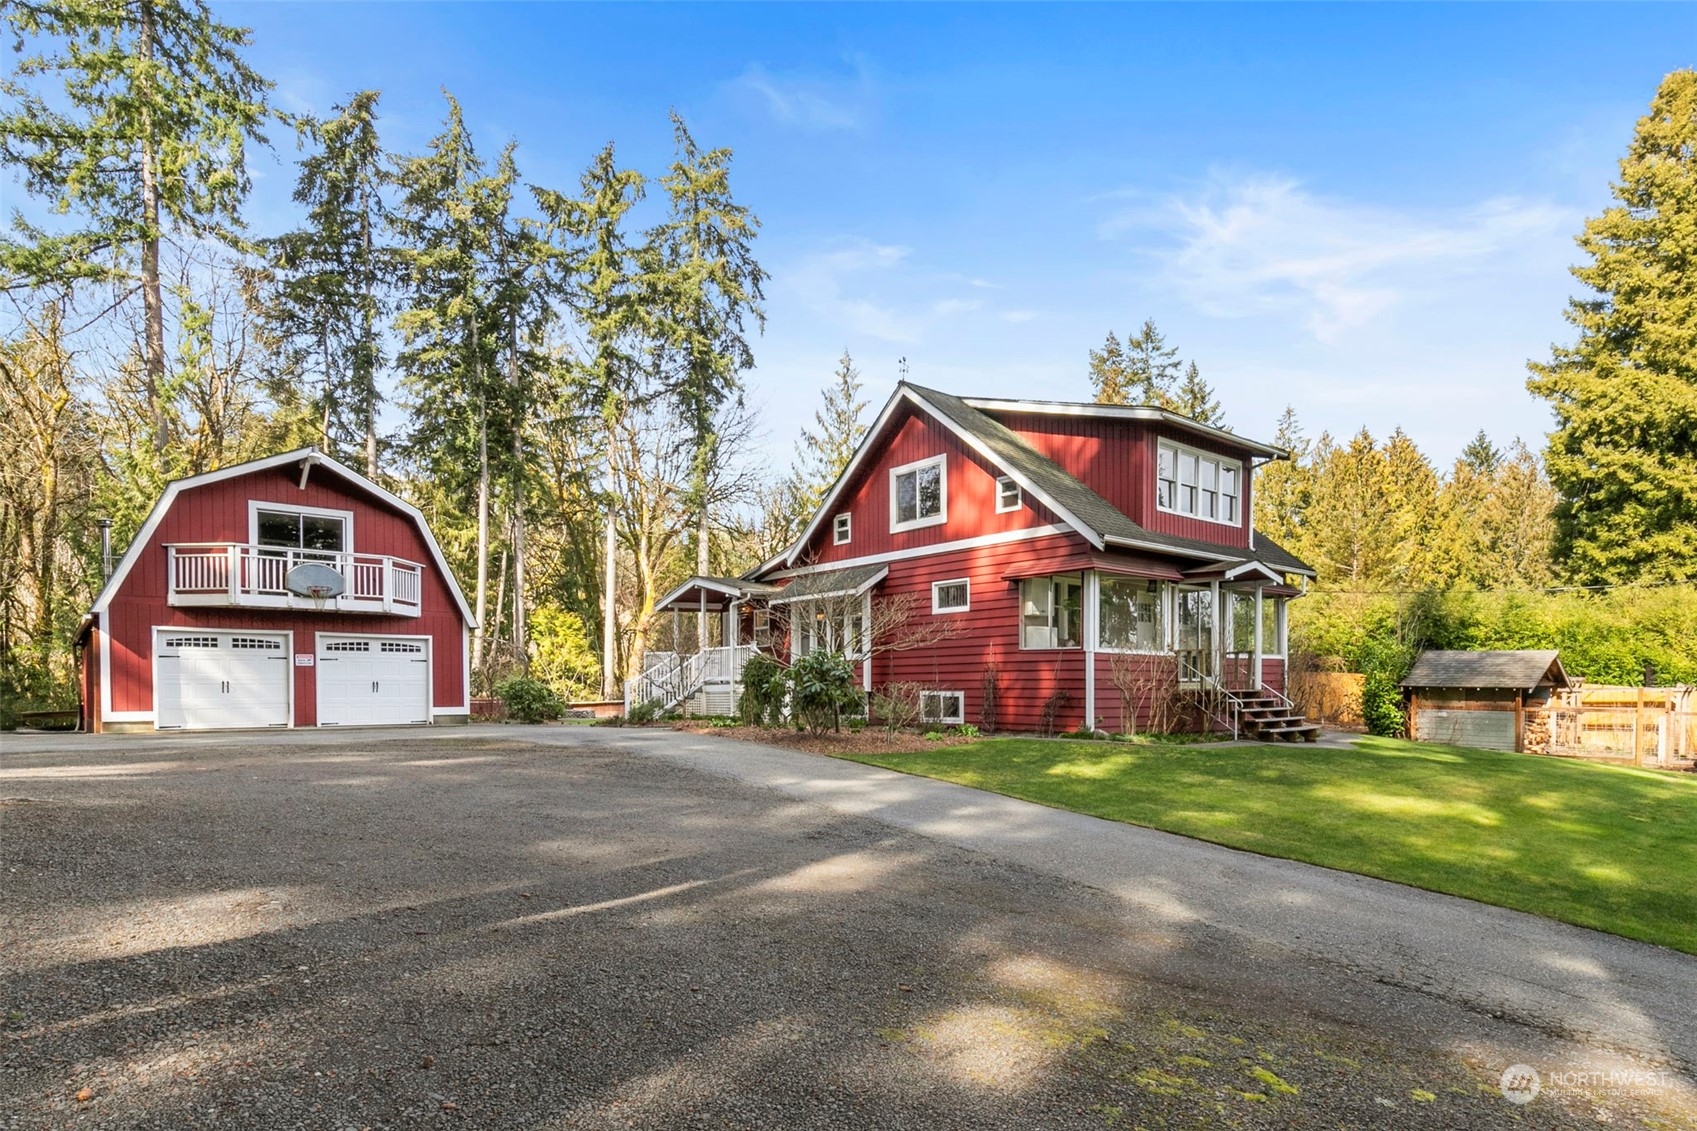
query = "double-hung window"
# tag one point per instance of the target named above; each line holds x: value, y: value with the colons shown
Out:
x: 842, y: 529
x: 1008, y: 495
x: 1198, y: 484
x: 919, y: 494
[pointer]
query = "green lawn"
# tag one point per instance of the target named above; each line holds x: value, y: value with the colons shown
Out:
x: 1602, y: 846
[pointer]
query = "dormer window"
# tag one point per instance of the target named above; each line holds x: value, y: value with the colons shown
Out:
x: 842, y: 530
x: 1198, y: 484
x: 919, y: 494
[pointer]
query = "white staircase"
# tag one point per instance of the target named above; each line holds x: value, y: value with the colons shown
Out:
x: 695, y: 683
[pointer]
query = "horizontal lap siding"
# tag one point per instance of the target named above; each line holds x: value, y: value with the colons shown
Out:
x: 988, y: 634
x: 971, y: 502
x: 218, y: 512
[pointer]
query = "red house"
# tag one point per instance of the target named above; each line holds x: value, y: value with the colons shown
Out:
x: 1093, y: 558
x: 289, y: 591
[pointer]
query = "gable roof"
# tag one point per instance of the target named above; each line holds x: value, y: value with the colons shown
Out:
x: 310, y: 456
x: 1514, y: 671
x: 1127, y: 412
x: 1101, y: 523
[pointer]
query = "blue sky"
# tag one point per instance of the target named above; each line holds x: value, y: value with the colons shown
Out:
x: 1366, y: 212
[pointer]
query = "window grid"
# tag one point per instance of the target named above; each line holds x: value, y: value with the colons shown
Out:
x: 1198, y: 485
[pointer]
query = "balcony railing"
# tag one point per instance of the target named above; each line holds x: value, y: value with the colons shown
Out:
x: 254, y: 577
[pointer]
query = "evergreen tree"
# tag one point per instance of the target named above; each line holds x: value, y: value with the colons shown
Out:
x: 331, y: 274
x: 1152, y: 368
x: 708, y: 287
x: 1108, y: 372
x: 1481, y: 456
x: 1195, y: 398
x: 825, y: 450
x: 1350, y: 530
x: 1283, y: 489
x: 1624, y: 452
x: 1408, y: 497
x: 142, y: 136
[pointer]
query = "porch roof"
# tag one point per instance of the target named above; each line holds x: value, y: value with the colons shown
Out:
x: 851, y: 582
x: 719, y: 593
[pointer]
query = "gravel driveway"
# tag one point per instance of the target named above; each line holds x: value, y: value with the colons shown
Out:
x: 507, y: 928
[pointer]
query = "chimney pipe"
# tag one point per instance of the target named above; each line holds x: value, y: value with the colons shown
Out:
x: 105, y: 525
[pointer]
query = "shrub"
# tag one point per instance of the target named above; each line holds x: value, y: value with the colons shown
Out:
x: 530, y: 700
x: 896, y: 705
x: 990, y: 698
x: 821, y: 689
x: 1384, y: 664
x: 765, y: 687
x: 643, y: 713
x: 967, y: 730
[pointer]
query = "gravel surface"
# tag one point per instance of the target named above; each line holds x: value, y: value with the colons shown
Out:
x: 511, y: 928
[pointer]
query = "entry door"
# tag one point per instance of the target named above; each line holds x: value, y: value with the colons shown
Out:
x: 373, y: 681
x: 220, y: 680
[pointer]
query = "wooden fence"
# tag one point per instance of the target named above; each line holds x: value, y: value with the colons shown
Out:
x: 1648, y: 726
x: 1331, y: 699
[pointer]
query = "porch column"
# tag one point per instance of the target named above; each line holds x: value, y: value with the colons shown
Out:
x: 701, y: 622
x: 1092, y: 611
x: 1257, y: 638
x: 728, y: 624
x: 866, y: 642
x: 1218, y: 641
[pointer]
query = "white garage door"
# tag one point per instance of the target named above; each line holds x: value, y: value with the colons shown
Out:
x: 214, y: 680
x: 373, y: 681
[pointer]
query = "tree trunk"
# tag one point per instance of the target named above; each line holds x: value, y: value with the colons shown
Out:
x: 609, y: 615
x: 152, y: 297
x: 479, y: 633
x: 367, y: 355
x: 500, y: 603
x: 521, y: 646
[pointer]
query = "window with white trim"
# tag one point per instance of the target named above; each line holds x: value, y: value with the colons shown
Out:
x: 1051, y: 612
x: 829, y: 626
x: 1198, y: 484
x: 1132, y: 615
x: 919, y: 494
x: 842, y: 529
x: 953, y: 596
x: 1008, y: 495
x: 762, y: 626
x: 942, y: 707
x: 301, y: 530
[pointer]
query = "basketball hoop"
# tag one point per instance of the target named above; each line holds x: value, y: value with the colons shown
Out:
x: 317, y: 582
x: 318, y: 595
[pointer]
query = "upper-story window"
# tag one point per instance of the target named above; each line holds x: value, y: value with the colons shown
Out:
x: 842, y: 530
x: 1198, y: 484
x: 919, y: 494
x: 321, y: 531
x: 1008, y: 496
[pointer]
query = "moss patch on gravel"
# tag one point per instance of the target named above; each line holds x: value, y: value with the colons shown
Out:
x: 1602, y: 846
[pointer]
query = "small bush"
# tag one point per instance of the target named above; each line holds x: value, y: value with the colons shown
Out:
x: 821, y: 690
x: 643, y: 713
x: 966, y: 730
x: 933, y: 736
x: 765, y: 690
x: 896, y: 705
x: 530, y: 700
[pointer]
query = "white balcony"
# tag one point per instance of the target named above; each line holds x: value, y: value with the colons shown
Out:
x: 233, y: 575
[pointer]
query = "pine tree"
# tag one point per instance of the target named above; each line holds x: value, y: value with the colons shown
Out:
x: 331, y: 274
x: 825, y: 450
x: 1481, y: 456
x: 143, y: 137
x: 1624, y: 452
x: 1350, y: 530
x: 1408, y: 498
x: 1195, y: 398
x: 1283, y: 489
x: 1108, y: 372
x: 1152, y: 368
x: 708, y: 288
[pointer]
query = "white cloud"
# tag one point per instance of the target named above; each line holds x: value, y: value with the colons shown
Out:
x: 866, y: 289
x: 1261, y: 244
x: 1018, y: 316
x: 811, y: 101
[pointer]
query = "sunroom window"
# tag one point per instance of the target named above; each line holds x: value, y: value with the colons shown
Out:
x: 1051, y: 612
x: 1132, y: 615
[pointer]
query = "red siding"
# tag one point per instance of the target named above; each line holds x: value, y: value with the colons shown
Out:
x: 218, y: 512
x: 1116, y: 459
x: 989, y: 633
x: 971, y: 505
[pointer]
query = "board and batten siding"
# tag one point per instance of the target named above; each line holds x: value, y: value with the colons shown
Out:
x: 1117, y: 460
x: 218, y: 512
x: 971, y: 501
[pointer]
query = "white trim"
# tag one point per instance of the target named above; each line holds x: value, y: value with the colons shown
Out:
x: 105, y: 667
x: 288, y: 636
x: 157, y: 515
x: 465, y: 664
x: 1223, y: 554
x: 842, y: 529
x: 920, y: 521
x: 1003, y: 482
x: 683, y: 587
x: 1265, y: 570
x: 1090, y: 612
x: 254, y: 506
x: 1124, y: 412
x: 1180, y: 450
x: 937, y: 609
x: 1163, y: 589
x: 954, y: 720
x: 926, y: 551
x: 430, y: 711
x: 866, y: 586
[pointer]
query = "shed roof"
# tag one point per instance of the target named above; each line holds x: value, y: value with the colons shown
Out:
x: 1518, y: 671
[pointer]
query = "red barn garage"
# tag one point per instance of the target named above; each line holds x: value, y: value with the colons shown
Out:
x: 289, y: 591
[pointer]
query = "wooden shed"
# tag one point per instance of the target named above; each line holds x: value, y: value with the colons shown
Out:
x: 1479, y: 698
